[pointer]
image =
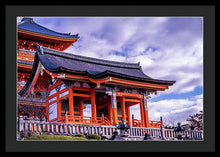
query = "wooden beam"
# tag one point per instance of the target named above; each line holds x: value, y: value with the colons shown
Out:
x: 120, y: 94
x: 137, y: 84
x: 131, y: 104
x: 132, y: 100
x: 55, y: 85
x: 81, y: 95
x: 102, y: 106
x: 82, y: 89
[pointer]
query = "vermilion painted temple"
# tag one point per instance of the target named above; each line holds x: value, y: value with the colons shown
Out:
x: 65, y: 83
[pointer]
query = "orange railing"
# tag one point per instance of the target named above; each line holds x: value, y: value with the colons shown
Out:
x: 83, y: 120
x: 137, y: 123
x: 102, y: 121
x: 151, y: 124
x: 155, y: 124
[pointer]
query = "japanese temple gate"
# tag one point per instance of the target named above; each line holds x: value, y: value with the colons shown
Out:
x: 109, y: 93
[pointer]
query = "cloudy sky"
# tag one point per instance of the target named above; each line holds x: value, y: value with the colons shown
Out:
x: 169, y: 48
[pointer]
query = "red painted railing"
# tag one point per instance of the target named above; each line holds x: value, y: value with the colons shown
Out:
x: 83, y: 120
x: 102, y: 121
x: 137, y: 123
x: 155, y: 124
x: 151, y: 124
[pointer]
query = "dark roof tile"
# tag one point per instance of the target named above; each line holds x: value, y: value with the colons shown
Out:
x: 57, y: 61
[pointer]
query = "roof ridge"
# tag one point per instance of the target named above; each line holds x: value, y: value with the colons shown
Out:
x: 91, y: 59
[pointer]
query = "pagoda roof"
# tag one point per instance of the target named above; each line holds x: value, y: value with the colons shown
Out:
x: 28, y: 24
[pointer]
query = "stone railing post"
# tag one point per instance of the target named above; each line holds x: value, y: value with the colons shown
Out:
x: 161, y: 128
x: 48, y: 127
x: 39, y: 129
x: 65, y: 128
x: 20, y: 124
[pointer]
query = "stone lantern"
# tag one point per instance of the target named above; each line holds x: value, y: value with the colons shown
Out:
x: 178, y: 130
x: 123, y: 127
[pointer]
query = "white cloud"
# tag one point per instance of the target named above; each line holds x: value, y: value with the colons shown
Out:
x: 175, y: 110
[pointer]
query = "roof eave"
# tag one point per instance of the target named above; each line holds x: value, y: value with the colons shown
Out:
x: 37, y: 34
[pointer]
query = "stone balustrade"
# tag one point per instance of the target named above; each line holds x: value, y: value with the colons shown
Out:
x: 63, y: 128
x: 165, y: 133
x: 34, y: 126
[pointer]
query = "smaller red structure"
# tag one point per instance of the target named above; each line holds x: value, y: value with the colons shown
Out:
x: 29, y: 33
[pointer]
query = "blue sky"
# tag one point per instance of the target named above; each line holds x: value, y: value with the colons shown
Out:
x: 169, y: 48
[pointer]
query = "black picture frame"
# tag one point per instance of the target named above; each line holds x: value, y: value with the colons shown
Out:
x: 205, y: 11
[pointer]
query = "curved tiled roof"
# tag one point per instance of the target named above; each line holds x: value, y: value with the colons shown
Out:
x: 55, y: 61
x: 72, y: 57
x: 28, y: 24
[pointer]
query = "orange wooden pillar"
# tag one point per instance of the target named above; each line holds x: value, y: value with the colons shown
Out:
x: 93, y: 105
x: 123, y: 108
x: 58, y: 107
x: 71, y: 103
x: 145, y: 111
x: 142, y: 112
x: 114, y: 107
x: 128, y: 115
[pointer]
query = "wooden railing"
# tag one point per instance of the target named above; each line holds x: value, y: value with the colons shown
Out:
x: 155, y: 124
x: 83, y: 120
x: 137, y: 123
x: 151, y: 124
